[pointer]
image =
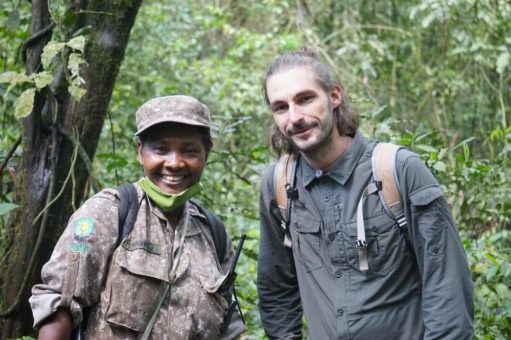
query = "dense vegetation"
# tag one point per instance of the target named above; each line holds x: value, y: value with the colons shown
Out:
x: 429, y: 74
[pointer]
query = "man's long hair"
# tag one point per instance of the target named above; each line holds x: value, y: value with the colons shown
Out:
x: 345, y: 117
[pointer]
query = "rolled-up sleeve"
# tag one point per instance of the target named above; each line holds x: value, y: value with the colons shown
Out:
x: 279, y: 298
x: 73, y: 276
x: 447, y: 289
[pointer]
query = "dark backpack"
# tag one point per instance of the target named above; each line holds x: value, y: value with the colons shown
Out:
x: 128, y: 211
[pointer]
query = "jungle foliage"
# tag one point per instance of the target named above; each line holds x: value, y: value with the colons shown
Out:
x: 433, y: 75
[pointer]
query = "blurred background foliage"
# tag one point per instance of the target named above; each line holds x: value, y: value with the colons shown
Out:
x: 432, y: 75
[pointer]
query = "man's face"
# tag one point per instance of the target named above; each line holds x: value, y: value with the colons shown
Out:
x: 173, y: 156
x: 302, y: 109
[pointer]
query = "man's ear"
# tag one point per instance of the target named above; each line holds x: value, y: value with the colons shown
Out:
x: 336, y: 95
x: 139, y: 151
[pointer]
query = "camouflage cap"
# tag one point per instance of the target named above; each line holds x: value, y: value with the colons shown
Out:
x: 176, y: 109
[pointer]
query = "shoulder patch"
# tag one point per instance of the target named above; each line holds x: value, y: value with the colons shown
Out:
x: 84, y: 227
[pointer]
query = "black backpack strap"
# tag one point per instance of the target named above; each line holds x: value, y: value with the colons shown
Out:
x: 217, y: 230
x: 128, y: 210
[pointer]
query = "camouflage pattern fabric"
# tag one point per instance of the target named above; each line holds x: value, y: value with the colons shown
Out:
x: 118, y: 289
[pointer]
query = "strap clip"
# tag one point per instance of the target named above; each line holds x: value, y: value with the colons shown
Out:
x: 361, y: 244
x: 292, y: 193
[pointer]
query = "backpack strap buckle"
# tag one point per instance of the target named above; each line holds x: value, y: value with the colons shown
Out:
x: 361, y: 244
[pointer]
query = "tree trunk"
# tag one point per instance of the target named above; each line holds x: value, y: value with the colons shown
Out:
x: 48, y: 150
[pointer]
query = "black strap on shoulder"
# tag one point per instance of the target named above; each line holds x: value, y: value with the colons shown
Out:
x: 128, y: 210
x: 217, y: 230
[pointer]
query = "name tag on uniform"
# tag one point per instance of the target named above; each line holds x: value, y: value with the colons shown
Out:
x: 142, y: 244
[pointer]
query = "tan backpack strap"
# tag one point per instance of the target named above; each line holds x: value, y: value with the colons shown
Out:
x: 384, y: 183
x: 281, y: 179
x: 384, y: 171
x: 279, y: 182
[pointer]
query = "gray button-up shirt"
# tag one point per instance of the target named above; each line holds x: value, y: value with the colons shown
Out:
x: 418, y: 285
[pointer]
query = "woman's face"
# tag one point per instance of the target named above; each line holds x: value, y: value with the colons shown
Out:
x: 173, y: 156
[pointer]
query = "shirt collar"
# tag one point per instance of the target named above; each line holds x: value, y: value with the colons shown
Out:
x: 343, y: 166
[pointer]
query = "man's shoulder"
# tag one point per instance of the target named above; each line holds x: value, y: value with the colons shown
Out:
x: 268, y: 174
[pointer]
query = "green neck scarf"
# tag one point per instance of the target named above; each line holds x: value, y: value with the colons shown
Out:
x: 168, y: 202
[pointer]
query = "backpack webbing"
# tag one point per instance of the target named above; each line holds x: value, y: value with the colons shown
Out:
x: 284, y: 182
x: 385, y: 183
x: 128, y: 211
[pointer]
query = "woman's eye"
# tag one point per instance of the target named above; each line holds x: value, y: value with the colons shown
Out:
x: 159, y: 149
x: 190, y: 151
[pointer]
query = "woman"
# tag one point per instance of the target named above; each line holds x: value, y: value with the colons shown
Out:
x: 163, y: 281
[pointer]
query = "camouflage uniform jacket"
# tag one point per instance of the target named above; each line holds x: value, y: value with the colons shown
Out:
x: 117, y: 289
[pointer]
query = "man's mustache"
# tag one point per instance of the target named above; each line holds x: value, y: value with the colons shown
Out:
x: 300, y: 127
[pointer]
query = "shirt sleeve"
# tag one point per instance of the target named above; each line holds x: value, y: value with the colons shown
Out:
x: 447, y: 289
x: 74, y: 275
x: 279, y: 298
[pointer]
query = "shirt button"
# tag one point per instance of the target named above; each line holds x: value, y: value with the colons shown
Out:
x: 338, y: 273
x: 326, y: 198
x: 331, y: 236
x: 319, y: 173
x: 340, y: 312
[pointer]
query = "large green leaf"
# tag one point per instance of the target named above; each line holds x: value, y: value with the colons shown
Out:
x: 77, y: 43
x: 7, y: 207
x: 13, y: 77
x: 42, y: 79
x: 50, y: 50
x: 24, y: 103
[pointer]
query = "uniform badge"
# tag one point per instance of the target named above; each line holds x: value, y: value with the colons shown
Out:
x: 84, y: 227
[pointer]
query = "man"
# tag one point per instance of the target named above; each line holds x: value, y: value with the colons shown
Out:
x: 418, y: 283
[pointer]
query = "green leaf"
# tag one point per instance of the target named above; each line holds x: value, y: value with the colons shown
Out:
x: 440, y: 166
x: 24, y: 103
x: 50, y: 51
x: 502, y: 62
x: 75, y: 60
x: 466, y: 151
x: 77, y: 43
x: 14, y: 77
x: 378, y: 111
x: 42, y: 79
x: 490, y: 274
x: 7, y: 207
x: 76, y: 92
x: 426, y: 148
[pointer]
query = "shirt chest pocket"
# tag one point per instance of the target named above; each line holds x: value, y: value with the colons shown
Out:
x: 134, y: 285
x: 306, y: 237
x: 386, y: 244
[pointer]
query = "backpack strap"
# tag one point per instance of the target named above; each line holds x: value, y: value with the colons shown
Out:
x: 128, y: 210
x: 219, y: 234
x: 284, y: 183
x: 384, y: 171
x: 386, y: 184
x: 217, y: 230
